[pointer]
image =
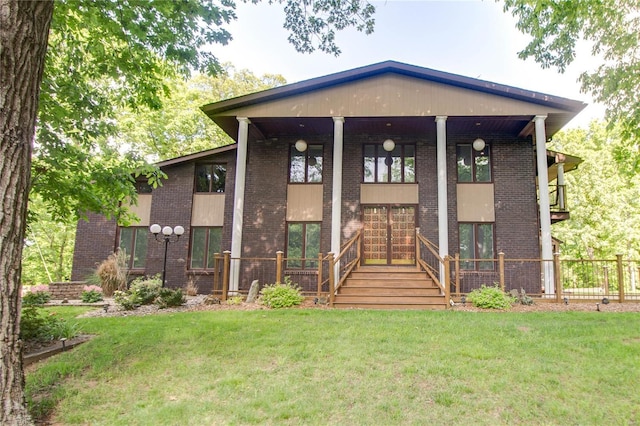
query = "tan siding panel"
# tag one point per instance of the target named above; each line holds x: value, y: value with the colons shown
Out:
x: 392, y: 95
x: 142, y: 210
x: 389, y: 193
x: 208, y: 210
x: 476, y: 202
x: 304, y: 203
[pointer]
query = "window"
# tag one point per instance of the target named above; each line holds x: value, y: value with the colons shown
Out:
x: 397, y: 166
x: 133, y: 241
x: 210, y: 177
x: 303, y: 244
x: 305, y: 167
x: 476, y: 242
x: 205, y: 242
x: 473, y: 166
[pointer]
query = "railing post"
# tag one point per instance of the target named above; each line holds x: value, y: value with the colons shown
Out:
x: 557, y: 278
x: 359, y: 246
x: 225, y: 274
x: 216, y: 272
x: 332, y: 279
x: 447, y: 280
x: 320, y: 257
x: 501, y: 268
x: 417, y: 244
x: 279, y: 254
x: 457, y: 269
x: 620, y: 277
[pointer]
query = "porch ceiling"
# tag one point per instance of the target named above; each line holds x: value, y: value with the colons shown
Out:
x: 273, y: 128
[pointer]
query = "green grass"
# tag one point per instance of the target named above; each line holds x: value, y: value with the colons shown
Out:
x: 347, y: 367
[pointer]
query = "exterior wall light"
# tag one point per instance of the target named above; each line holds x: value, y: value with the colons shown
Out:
x: 167, y: 233
x: 479, y: 144
x: 301, y: 145
x: 388, y: 145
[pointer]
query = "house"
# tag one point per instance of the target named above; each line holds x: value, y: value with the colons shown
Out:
x: 384, y: 149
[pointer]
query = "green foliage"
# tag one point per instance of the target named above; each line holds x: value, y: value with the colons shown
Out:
x: 169, y: 298
x: 91, y: 294
x: 603, y: 196
x: 281, y: 295
x: 611, y: 28
x: 125, y: 300
x: 144, y: 290
x: 235, y: 300
x: 36, y: 295
x: 36, y: 324
x: 490, y: 298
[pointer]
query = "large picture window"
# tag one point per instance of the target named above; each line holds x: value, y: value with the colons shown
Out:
x: 133, y: 240
x: 210, y: 177
x: 473, y: 166
x: 205, y: 242
x: 397, y: 166
x: 305, y: 166
x: 303, y: 245
x: 476, y: 243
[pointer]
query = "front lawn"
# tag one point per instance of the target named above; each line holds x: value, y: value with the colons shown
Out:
x: 306, y: 366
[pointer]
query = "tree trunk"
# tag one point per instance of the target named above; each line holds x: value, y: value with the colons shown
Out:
x: 24, y: 31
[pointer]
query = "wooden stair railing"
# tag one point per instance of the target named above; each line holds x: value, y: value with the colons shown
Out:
x: 431, y: 269
x: 345, y: 270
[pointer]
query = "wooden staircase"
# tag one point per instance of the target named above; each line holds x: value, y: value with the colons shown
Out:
x: 389, y: 287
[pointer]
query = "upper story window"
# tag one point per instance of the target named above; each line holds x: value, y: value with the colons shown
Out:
x: 305, y: 166
x: 473, y: 165
x: 133, y: 240
x: 210, y: 177
x: 397, y: 166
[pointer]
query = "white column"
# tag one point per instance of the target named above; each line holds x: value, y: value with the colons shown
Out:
x: 238, y: 203
x: 443, y: 216
x: 561, y: 203
x: 545, y: 210
x: 336, y: 198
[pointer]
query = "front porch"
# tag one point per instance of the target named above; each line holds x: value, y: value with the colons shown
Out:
x: 344, y: 282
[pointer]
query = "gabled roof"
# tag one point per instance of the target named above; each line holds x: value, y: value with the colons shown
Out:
x: 195, y: 156
x: 399, y: 68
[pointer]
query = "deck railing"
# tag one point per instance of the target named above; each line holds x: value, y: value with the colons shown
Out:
x: 576, y: 279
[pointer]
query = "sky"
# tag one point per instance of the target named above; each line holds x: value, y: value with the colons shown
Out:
x: 472, y: 38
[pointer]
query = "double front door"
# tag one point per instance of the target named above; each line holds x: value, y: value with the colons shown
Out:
x: 389, y: 235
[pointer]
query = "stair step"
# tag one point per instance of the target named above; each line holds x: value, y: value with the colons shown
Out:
x: 389, y: 283
x: 389, y: 291
x: 364, y: 298
x: 390, y: 306
x: 389, y: 275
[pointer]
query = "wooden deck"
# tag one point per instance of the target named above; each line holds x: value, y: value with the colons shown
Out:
x: 389, y: 287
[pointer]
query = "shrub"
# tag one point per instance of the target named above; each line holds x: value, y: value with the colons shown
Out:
x: 491, y: 298
x: 145, y: 289
x: 91, y: 294
x: 235, y: 300
x: 113, y: 272
x: 36, y: 295
x: 168, y: 298
x: 35, y: 325
x: 191, y: 289
x: 281, y: 295
x: 125, y: 300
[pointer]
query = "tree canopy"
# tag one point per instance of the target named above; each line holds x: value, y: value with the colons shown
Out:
x: 613, y: 29
x: 603, y: 196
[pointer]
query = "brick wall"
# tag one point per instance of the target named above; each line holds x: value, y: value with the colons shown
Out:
x: 95, y: 241
x: 66, y: 290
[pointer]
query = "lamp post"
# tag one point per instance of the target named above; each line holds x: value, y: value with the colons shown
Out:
x: 167, y: 233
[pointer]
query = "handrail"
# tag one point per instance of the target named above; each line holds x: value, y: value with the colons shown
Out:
x: 345, y: 270
x: 430, y: 270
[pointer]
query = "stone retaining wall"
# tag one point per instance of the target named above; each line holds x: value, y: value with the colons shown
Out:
x: 66, y: 290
